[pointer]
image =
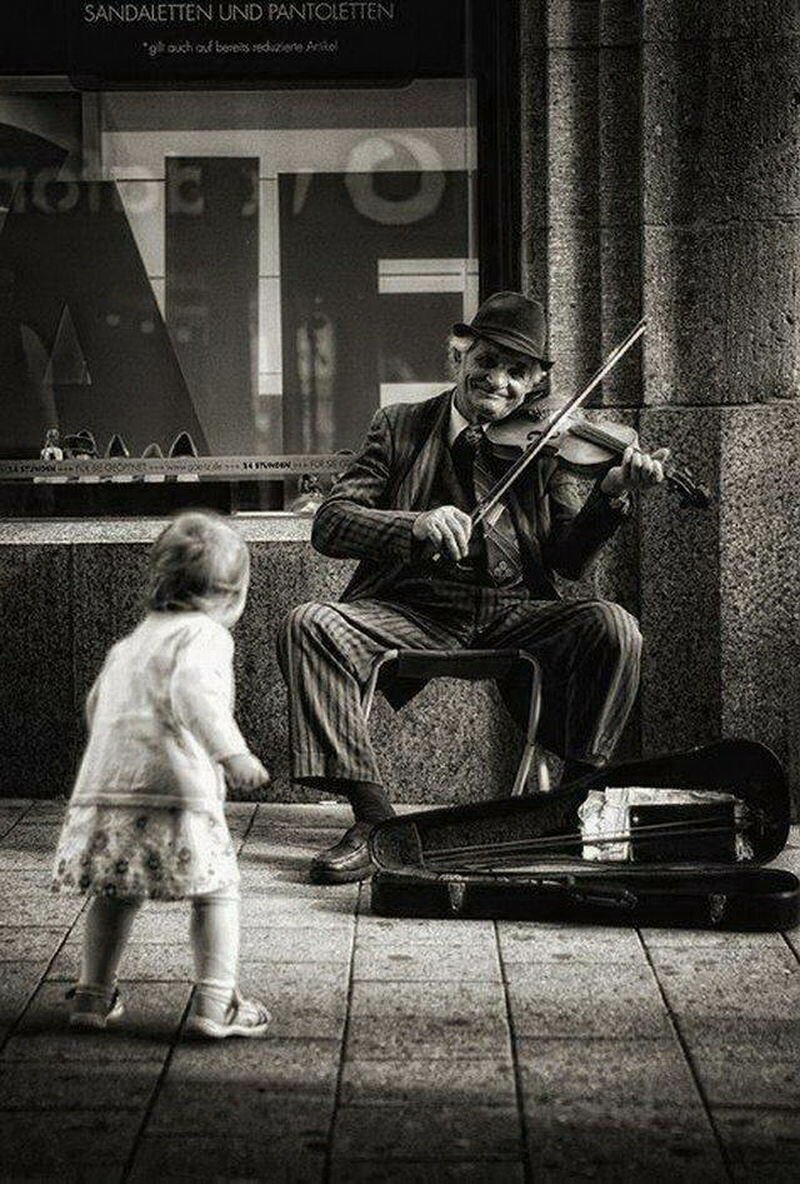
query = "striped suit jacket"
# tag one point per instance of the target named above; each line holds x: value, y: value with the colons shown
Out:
x: 369, y: 513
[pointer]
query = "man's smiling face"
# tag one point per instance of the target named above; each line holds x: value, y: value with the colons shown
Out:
x: 491, y: 381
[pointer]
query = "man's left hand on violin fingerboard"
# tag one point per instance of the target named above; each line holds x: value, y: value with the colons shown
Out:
x: 637, y: 470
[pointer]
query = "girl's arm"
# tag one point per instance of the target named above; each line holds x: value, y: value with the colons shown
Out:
x: 202, y: 693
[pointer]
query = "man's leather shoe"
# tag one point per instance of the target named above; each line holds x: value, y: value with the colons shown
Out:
x: 347, y: 861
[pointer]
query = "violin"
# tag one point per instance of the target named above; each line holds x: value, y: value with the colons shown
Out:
x: 554, y: 428
x: 572, y: 438
x: 583, y: 447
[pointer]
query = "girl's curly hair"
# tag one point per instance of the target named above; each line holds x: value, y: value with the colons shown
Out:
x: 195, y: 560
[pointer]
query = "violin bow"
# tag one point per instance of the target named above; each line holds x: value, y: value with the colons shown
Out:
x: 487, y: 504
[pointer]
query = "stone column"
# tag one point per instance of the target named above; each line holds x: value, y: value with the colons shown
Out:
x: 721, y: 248
x: 581, y: 241
x: 661, y: 175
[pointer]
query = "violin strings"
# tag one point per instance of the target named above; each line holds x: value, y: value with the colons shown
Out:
x: 480, y: 862
x: 500, y: 488
x: 656, y: 829
x: 596, y: 435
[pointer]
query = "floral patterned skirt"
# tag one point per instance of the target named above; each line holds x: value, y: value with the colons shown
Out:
x: 128, y: 851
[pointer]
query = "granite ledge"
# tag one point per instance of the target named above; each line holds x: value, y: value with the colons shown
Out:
x: 277, y: 527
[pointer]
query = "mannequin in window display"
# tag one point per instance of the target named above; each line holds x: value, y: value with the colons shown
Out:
x: 316, y: 372
x: 309, y: 495
x: 52, y: 449
x: 26, y: 395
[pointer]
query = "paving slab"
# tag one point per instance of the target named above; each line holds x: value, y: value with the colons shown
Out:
x: 462, y: 956
x: 406, y: 1171
x: 289, y: 1126
x: 257, y: 1158
x: 47, y: 810
x: 388, y: 929
x: 151, y: 1021
x: 239, y: 1107
x: 21, y: 858
x: 141, y: 962
x: 653, y: 1073
x: 762, y: 1144
x: 602, y: 1141
x: 27, y: 900
x: 584, y: 1000
x: 528, y: 942
x: 742, y: 1070
x: 258, y: 883
x: 774, y: 962
x: 296, y: 943
x: 305, y: 814
x: 421, y: 1081
x: 80, y: 1084
x: 264, y: 843
x: 709, y: 939
x: 159, y: 922
x: 11, y: 812
x: 18, y: 984
x: 286, y: 1068
x: 156, y: 924
x: 750, y: 992
x: 442, y: 1021
x: 52, y: 1145
x: 29, y: 846
x: 281, y: 908
x: 403, y: 1132
x: 29, y: 943
x: 304, y: 999
x: 704, y: 1029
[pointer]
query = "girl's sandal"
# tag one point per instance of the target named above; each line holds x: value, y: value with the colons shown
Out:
x: 93, y: 1011
x: 244, y: 1017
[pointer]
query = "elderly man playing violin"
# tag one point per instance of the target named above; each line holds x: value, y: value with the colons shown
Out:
x: 406, y: 496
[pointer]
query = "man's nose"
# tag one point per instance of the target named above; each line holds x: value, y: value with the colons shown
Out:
x: 498, y: 377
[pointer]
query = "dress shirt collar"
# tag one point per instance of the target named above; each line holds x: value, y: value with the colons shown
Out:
x: 456, y: 423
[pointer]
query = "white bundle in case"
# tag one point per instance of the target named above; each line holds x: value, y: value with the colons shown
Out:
x: 605, y: 818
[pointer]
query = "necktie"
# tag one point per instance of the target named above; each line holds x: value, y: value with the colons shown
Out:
x: 471, y: 462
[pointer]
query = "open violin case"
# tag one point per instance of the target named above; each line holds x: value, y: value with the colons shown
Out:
x: 698, y: 826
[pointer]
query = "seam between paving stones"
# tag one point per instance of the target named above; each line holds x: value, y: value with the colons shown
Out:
x: 17, y: 820
x: 792, y: 950
x: 684, y: 1046
x: 130, y: 1162
x: 527, y: 1170
x: 328, y: 1162
x: 12, y: 1028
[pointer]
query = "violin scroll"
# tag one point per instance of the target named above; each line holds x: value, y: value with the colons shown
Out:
x: 693, y: 496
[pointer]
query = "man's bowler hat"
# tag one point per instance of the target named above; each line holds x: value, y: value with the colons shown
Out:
x: 512, y: 321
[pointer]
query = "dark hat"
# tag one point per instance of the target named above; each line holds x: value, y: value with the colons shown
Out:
x: 513, y: 321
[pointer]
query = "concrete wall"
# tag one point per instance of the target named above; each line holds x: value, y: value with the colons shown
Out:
x: 69, y: 590
x: 661, y: 176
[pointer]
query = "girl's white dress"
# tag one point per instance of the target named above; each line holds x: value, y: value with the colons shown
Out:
x: 146, y: 817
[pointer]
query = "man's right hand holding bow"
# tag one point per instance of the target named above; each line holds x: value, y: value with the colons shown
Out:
x: 447, y: 528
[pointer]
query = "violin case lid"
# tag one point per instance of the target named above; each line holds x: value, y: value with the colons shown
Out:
x: 725, y: 892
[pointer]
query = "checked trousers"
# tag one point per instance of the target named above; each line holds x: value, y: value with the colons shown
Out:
x: 589, y: 653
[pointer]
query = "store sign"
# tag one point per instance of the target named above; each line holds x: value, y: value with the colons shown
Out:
x: 147, y: 44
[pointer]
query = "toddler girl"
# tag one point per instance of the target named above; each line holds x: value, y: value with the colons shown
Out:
x: 146, y: 816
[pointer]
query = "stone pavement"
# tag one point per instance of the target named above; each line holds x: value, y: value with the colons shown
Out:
x: 401, y: 1050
